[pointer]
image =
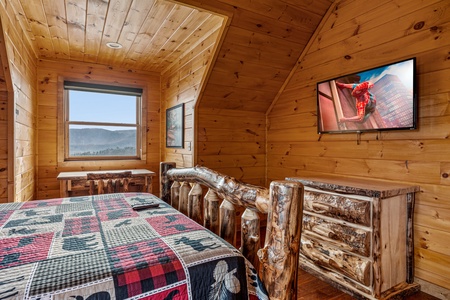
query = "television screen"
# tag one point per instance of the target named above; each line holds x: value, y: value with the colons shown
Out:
x: 382, y: 98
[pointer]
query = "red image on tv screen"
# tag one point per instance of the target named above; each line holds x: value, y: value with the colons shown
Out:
x: 377, y: 99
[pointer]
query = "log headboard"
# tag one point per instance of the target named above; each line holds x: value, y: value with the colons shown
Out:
x: 277, y: 260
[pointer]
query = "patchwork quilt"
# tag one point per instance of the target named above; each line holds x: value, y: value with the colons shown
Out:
x: 98, y: 247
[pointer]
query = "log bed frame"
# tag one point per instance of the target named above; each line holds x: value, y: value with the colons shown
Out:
x: 277, y: 261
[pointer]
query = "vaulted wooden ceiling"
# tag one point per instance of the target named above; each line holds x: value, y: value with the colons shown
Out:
x: 262, y: 44
x: 153, y: 33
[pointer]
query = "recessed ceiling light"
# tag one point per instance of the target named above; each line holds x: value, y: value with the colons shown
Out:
x: 114, y: 45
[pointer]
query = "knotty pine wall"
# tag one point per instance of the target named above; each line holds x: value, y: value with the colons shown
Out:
x: 19, y: 166
x: 261, y: 46
x: 47, y: 100
x: 5, y: 92
x: 359, y: 35
x: 181, y: 83
x: 232, y: 142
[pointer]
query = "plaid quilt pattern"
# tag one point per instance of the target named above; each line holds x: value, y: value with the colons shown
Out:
x: 23, y: 250
x: 41, y: 203
x: 68, y: 271
x: 81, y: 225
x: 98, y: 247
x: 177, y: 292
x: 4, y: 215
x: 124, y: 213
x: 172, y: 224
x: 144, y: 266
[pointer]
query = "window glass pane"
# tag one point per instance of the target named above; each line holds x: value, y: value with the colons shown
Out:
x: 102, y: 141
x: 102, y: 107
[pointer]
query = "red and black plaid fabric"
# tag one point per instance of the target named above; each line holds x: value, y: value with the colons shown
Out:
x: 144, y: 266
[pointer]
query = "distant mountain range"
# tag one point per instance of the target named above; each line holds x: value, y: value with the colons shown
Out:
x: 90, y: 141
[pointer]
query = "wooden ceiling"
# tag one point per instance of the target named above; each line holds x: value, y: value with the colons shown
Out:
x: 263, y: 42
x: 153, y: 33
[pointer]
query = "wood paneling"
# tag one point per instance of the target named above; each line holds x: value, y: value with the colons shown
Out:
x: 261, y: 46
x: 233, y: 142
x: 226, y: 116
x: 356, y: 36
x: 19, y: 63
x: 4, y: 123
x: 153, y: 33
x: 263, y: 41
x: 49, y: 72
x: 181, y: 83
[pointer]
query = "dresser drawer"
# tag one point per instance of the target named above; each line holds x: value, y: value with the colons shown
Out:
x: 338, y: 206
x: 356, y: 240
x: 330, y: 257
x: 357, y: 234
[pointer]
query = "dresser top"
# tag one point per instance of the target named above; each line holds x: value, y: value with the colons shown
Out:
x: 82, y: 175
x: 364, y: 187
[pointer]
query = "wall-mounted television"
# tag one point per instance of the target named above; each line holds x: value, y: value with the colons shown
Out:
x: 381, y: 98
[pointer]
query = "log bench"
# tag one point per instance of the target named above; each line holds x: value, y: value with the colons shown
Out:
x: 277, y: 261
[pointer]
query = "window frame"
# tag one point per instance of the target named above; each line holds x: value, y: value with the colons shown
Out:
x: 64, y: 85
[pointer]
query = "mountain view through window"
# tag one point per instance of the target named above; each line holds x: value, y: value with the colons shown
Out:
x: 102, y: 124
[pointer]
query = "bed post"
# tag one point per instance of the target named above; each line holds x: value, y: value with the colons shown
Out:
x: 195, y: 204
x: 166, y: 183
x: 278, y: 267
x: 175, y: 195
x: 279, y: 257
x: 250, y: 240
x: 211, y: 211
x: 227, y: 222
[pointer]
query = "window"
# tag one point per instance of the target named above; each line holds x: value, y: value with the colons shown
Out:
x: 101, y: 122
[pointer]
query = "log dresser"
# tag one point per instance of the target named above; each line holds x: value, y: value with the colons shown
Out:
x: 357, y: 235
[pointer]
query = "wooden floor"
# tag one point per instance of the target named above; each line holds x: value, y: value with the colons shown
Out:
x: 312, y: 288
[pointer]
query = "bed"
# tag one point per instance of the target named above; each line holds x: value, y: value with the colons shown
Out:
x: 99, y: 247
x: 282, y: 204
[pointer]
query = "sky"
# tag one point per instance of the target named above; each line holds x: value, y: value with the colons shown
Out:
x: 403, y: 70
x: 98, y: 107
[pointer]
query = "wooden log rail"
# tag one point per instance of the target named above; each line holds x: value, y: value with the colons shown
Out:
x: 277, y: 261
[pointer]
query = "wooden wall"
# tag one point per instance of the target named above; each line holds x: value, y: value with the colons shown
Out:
x: 47, y: 79
x: 260, y: 49
x: 261, y: 46
x: 359, y: 35
x: 20, y: 115
x: 5, y: 107
x: 181, y: 83
x: 232, y: 142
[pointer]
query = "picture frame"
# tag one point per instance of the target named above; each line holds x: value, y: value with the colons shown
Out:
x: 175, y: 126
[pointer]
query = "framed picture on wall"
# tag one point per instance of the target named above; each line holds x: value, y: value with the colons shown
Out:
x: 175, y: 126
